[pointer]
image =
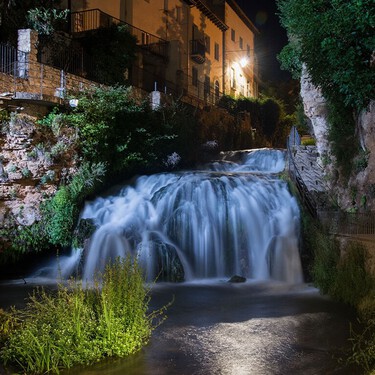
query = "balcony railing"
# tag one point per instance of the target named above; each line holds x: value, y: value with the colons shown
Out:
x: 13, y: 62
x: 197, y: 51
x: 186, y: 88
x: 93, y: 19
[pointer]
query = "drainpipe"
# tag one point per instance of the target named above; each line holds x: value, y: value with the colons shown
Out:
x: 70, y: 16
x: 224, y: 62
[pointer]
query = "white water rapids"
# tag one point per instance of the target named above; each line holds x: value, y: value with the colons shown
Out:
x: 236, y: 216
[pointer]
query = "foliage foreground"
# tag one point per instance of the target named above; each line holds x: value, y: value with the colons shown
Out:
x: 342, y: 273
x: 80, y: 325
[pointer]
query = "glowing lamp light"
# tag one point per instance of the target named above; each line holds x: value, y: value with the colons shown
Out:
x: 243, y: 62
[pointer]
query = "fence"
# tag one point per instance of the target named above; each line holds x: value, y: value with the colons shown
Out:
x: 354, y: 224
x: 13, y: 62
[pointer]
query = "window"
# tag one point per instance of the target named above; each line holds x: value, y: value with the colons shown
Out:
x: 194, y: 80
x: 179, y: 14
x: 217, y: 91
x: 165, y: 5
x: 145, y: 38
x: 242, y: 88
x: 241, y: 43
x: 248, y: 50
x: 232, y: 78
x: 207, y: 43
x: 217, y: 51
x: 233, y: 35
x: 196, y: 33
x: 206, y: 86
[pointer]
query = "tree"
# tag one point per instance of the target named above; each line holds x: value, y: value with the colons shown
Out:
x: 335, y: 39
x: 112, y: 51
x: 18, y: 14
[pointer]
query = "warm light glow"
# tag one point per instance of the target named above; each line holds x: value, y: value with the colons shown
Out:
x: 243, y: 62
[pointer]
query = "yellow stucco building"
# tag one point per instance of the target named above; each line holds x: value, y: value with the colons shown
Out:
x: 194, y: 48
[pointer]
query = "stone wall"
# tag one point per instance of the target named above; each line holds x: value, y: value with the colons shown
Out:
x: 33, y: 162
x: 42, y: 82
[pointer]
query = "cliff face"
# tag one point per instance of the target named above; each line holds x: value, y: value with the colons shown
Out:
x: 315, y: 109
x: 359, y: 192
x: 33, y: 161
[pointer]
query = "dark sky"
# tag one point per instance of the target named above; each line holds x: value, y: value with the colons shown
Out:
x: 272, y: 37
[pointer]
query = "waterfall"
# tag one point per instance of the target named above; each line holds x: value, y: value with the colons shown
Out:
x: 235, y: 216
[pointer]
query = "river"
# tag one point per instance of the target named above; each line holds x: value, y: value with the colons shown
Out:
x: 232, y: 217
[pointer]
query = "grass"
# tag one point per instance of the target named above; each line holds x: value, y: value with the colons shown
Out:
x: 80, y: 325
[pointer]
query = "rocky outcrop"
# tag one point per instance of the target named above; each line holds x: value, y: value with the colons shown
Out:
x: 33, y: 161
x: 315, y: 108
x: 359, y: 192
x: 365, y: 178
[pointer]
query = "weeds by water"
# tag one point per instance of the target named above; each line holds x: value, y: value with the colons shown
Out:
x: 80, y: 325
x: 341, y: 272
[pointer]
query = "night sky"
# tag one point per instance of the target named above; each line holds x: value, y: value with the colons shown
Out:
x: 272, y: 37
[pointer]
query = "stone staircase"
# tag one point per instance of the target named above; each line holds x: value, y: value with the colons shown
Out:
x: 306, y: 161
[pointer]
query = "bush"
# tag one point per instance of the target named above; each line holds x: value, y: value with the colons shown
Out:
x: 78, y: 325
x: 308, y: 141
x: 352, y: 282
x: 60, y: 213
x: 267, y: 116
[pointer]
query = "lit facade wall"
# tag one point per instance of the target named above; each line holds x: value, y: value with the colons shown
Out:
x: 181, y: 25
x: 239, y: 56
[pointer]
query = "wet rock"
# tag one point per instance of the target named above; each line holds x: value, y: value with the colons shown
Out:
x: 237, y: 279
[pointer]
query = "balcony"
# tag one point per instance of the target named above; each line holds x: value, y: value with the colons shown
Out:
x: 197, y: 51
x: 94, y: 18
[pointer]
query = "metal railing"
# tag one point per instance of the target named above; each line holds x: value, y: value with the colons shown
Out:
x: 13, y: 62
x: 185, y: 88
x: 198, y: 51
x: 93, y: 19
x: 72, y: 59
x: 348, y: 223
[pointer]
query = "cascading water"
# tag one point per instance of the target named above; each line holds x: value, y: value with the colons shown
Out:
x: 235, y: 217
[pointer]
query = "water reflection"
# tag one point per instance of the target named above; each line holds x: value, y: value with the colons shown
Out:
x: 253, y: 328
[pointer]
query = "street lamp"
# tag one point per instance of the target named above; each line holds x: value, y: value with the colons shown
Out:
x: 244, y: 61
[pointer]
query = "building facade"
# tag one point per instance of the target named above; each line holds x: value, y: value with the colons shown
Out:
x: 192, y: 48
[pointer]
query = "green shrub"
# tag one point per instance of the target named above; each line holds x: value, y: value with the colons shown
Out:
x: 26, y: 173
x: 308, y: 142
x: 342, y: 136
x: 363, y: 347
x: 326, y: 256
x: 78, y: 325
x: 352, y: 282
x: 60, y: 213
